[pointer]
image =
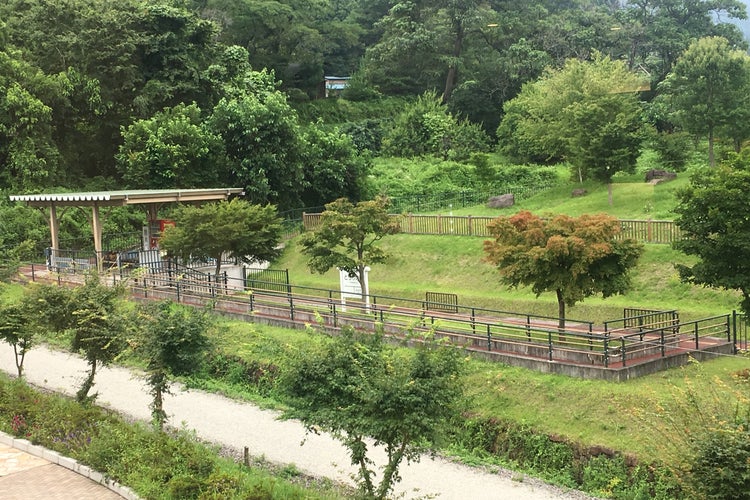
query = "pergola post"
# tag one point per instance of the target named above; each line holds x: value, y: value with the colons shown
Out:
x: 54, y: 228
x: 96, y: 226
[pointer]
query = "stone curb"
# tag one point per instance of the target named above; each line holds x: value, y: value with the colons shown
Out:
x: 70, y: 464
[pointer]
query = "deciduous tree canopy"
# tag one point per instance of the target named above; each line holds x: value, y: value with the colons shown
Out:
x: 714, y: 216
x: 708, y: 89
x: 573, y: 257
x: 347, y: 237
x: 234, y: 229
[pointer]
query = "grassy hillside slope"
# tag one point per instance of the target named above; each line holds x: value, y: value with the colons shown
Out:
x: 454, y: 264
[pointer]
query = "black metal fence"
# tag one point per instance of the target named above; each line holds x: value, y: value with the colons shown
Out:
x: 522, y: 336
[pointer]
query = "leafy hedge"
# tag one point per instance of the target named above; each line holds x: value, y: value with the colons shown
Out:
x: 596, y: 470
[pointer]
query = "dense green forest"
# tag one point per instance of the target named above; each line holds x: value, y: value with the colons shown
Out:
x: 200, y: 93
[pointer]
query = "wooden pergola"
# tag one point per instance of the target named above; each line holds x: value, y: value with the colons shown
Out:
x: 150, y: 199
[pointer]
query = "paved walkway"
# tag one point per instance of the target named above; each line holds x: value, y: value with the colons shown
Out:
x: 26, y: 477
x: 236, y: 424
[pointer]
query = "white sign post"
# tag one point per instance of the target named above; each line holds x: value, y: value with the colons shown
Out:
x: 350, y: 287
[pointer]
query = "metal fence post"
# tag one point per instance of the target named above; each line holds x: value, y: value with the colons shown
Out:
x: 606, y: 351
x: 550, y: 344
x: 697, y: 342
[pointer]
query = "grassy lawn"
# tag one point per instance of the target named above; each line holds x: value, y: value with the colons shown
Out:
x: 649, y: 418
x: 591, y: 412
x: 453, y: 264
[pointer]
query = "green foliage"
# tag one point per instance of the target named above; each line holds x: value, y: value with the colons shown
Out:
x: 703, y: 424
x: 16, y: 329
x: 574, y: 257
x: 164, y: 466
x: 239, y: 371
x: 426, y: 127
x: 28, y: 150
x: 98, y: 327
x: 356, y: 387
x: 713, y: 216
x: 235, y: 229
x: 172, y: 149
x: 586, y: 112
x: 262, y: 142
x: 347, y: 237
x: 367, y: 135
x: 172, y: 340
x: 674, y: 149
x: 708, y: 90
x: 52, y: 306
x: 722, y: 464
x: 333, y: 167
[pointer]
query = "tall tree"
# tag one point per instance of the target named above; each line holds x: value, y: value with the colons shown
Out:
x: 29, y: 156
x: 262, y: 140
x: 573, y: 257
x: 422, y: 45
x: 333, y: 167
x: 659, y: 31
x: 586, y: 112
x: 708, y: 87
x: 347, y: 237
x: 139, y: 56
x: 713, y: 214
x: 233, y: 229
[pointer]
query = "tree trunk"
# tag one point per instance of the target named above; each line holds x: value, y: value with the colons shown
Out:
x: 560, y: 314
x: 217, y: 272
x: 450, y: 80
x: 19, y: 362
x: 394, y: 460
x: 82, y: 395
x: 609, y: 192
x: 711, y: 160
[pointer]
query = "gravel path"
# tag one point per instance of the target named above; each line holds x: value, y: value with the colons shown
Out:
x: 236, y: 425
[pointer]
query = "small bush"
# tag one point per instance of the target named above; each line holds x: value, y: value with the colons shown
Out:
x: 157, y: 465
x: 186, y: 487
x: 238, y: 371
x: 367, y: 135
x: 722, y: 465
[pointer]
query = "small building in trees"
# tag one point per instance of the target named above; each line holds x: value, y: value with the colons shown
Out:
x: 333, y: 86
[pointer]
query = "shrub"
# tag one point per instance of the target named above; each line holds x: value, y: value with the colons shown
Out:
x: 238, y: 371
x: 426, y: 128
x: 721, y: 468
x: 366, y: 134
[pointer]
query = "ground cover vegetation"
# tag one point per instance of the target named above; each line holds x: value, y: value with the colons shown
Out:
x: 638, y: 439
x: 156, y: 465
x: 448, y: 103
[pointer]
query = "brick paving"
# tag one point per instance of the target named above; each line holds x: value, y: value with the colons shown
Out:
x: 26, y: 477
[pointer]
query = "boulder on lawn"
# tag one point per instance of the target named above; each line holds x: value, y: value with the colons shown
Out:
x: 655, y: 176
x: 502, y: 201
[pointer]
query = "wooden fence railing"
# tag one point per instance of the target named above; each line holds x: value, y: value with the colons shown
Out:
x: 646, y: 231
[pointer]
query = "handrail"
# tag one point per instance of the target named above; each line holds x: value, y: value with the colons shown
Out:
x: 520, y: 336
